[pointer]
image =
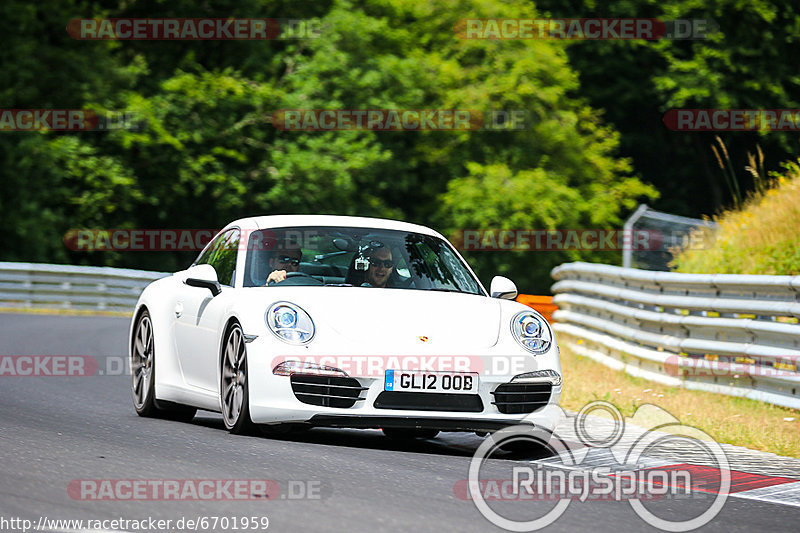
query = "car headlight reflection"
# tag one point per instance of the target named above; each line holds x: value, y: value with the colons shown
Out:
x: 290, y: 323
x: 530, y: 326
x: 285, y: 317
x: 288, y: 368
x: 538, y: 376
x: 532, y: 332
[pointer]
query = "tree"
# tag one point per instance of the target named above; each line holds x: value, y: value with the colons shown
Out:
x: 749, y: 63
x: 208, y: 153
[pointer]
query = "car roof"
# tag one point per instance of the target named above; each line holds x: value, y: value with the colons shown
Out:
x: 281, y: 221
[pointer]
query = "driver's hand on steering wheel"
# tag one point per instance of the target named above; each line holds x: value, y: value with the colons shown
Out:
x: 276, y: 276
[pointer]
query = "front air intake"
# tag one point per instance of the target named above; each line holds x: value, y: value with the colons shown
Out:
x: 326, y: 391
x: 521, y: 398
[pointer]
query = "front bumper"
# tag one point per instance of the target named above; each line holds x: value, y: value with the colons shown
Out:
x: 273, y: 401
x: 408, y: 422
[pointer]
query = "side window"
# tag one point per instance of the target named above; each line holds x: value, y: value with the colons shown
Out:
x: 223, y: 258
x: 400, y: 265
x: 202, y: 259
x: 457, y: 271
x: 221, y: 254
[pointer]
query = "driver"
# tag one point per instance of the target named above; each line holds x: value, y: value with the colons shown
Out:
x: 381, y: 266
x: 283, y: 260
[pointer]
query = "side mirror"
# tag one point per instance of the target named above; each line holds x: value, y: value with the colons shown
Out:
x: 204, y: 277
x: 503, y: 288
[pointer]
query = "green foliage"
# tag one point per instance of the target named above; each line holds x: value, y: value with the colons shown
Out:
x: 208, y: 153
x: 750, y: 63
x: 759, y: 238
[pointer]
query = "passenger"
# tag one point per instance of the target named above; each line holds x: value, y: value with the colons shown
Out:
x: 380, y: 267
x: 283, y: 260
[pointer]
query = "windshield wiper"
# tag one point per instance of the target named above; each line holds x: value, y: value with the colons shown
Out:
x: 444, y: 290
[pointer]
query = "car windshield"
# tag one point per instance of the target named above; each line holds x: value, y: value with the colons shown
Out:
x: 358, y: 257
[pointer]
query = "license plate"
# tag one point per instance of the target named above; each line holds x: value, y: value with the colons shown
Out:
x: 411, y: 381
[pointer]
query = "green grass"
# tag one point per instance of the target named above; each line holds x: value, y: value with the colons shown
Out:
x: 760, y: 238
x: 727, y: 419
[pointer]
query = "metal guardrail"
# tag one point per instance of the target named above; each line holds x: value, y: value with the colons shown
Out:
x: 32, y: 285
x: 732, y: 334
x: 725, y: 333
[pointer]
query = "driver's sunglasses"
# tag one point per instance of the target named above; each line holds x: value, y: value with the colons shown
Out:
x: 284, y: 259
x: 387, y: 263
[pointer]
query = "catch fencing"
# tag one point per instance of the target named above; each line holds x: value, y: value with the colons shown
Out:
x: 676, y: 232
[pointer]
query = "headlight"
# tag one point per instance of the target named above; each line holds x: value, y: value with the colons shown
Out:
x: 532, y: 332
x: 290, y: 323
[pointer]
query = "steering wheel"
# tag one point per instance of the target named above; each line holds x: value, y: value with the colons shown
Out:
x: 296, y: 278
x: 298, y: 274
x: 300, y: 278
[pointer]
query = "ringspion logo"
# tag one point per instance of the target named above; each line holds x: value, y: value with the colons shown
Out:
x: 624, y: 477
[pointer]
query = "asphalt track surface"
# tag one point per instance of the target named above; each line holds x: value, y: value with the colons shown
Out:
x: 54, y: 430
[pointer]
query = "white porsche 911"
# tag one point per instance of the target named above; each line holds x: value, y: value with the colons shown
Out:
x: 303, y: 321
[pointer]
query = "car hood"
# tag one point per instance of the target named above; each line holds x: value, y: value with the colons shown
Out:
x: 399, y: 319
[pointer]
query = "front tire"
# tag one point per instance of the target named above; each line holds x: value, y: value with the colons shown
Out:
x: 143, y: 377
x: 143, y: 366
x: 234, y: 387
